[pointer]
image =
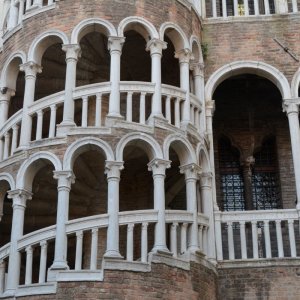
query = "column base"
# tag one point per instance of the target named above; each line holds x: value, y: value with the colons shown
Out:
x: 161, y: 250
x: 193, y: 249
x: 153, y: 119
x: 55, y: 269
x: 9, y: 293
x: 112, y: 254
x: 64, y: 128
x: 112, y: 119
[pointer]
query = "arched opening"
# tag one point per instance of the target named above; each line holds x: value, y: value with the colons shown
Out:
x: 93, y: 67
x: 136, y: 193
x: 249, y: 173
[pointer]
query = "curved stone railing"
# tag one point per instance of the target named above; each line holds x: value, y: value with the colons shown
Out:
x: 136, y: 227
x: 247, y: 234
x: 91, y: 108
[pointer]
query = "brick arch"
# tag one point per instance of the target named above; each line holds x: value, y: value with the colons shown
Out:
x: 84, y: 27
x: 176, y: 35
x: 44, y: 41
x: 83, y: 145
x: 140, y: 25
x: 295, y: 85
x: 182, y: 147
x: 32, y: 165
x: 249, y: 67
x: 11, y: 70
x: 143, y: 141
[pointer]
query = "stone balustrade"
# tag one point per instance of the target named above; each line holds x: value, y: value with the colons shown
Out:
x: 87, y: 240
x: 248, y: 234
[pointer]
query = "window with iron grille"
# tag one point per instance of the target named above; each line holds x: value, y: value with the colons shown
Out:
x: 265, y: 177
x: 232, y: 185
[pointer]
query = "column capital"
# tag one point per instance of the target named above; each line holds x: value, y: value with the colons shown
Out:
x: 184, y: 55
x: 113, y: 169
x: 6, y: 93
x: 206, y: 179
x: 155, y: 46
x: 116, y: 43
x: 19, y: 197
x: 210, y: 107
x: 191, y: 171
x: 197, y: 68
x: 64, y: 178
x: 31, y: 69
x: 158, y: 166
x: 291, y: 105
x: 73, y: 51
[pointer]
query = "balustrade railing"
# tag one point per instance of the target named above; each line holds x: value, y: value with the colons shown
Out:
x: 257, y: 234
x: 86, y: 238
x: 236, y: 8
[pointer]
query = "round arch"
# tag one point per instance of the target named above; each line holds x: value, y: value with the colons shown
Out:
x: 85, y: 26
x: 175, y: 34
x: 11, y: 69
x: 9, y: 179
x: 195, y: 47
x: 182, y: 147
x: 81, y: 146
x: 295, y: 85
x: 140, y: 25
x: 146, y: 142
x: 203, y: 158
x: 44, y: 41
x: 32, y: 165
x: 249, y: 67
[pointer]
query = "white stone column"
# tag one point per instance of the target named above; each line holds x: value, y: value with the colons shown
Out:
x: 31, y: 69
x: 13, y: 15
x: 65, y: 179
x: 19, y: 198
x: 113, y: 172
x: 192, y: 172
x: 158, y: 168
x: 21, y: 10
x: 292, y: 109
x: 198, y: 78
x: 155, y: 46
x: 281, y: 6
x: 184, y: 57
x: 115, y: 45
x: 73, y: 52
x: 208, y: 210
x: 5, y: 96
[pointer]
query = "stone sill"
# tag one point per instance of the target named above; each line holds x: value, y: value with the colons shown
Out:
x: 259, y: 263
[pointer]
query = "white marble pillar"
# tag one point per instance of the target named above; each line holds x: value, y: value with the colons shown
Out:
x: 31, y: 69
x: 192, y: 172
x: 198, y: 78
x: 113, y: 172
x: 155, y: 46
x: 13, y: 15
x: 184, y: 57
x: 19, y: 198
x: 5, y: 97
x: 115, y: 45
x: 281, y: 6
x: 158, y: 168
x: 21, y: 10
x: 208, y: 210
x: 291, y: 107
x: 64, y: 181
x: 73, y: 52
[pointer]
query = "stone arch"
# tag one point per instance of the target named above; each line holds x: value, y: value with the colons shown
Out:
x: 140, y: 25
x: 145, y: 142
x: 203, y: 158
x: 10, y: 185
x: 249, y: 67
x: 44, y: 41
x: 175, y: 34
x: 182, y: 147
x: 32, y: 165
x: 295, y: 84
x: 81, y: 146
x: 84, y: 27
x: 11, y: 69
x: 9, y: 179
x: 195, y: 47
